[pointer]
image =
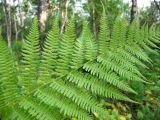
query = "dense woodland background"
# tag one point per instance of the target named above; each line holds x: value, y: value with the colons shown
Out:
x: 16, y: 18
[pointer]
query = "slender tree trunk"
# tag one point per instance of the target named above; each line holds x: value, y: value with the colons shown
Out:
x: 64, y: 13
x: 43, y: 13
x: 94, y: 17
x: 6, y: 10
x: 20, y: 13
x: 15, y: 27
x: 21, y: 16
x: 133, y: 10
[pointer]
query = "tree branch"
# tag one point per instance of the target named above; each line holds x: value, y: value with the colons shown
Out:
x: 156, y: 3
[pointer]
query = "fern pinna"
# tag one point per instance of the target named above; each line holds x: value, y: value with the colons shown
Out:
x: 69, y: 76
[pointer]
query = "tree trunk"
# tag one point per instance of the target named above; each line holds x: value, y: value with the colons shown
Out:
x: 6, y: 10
x: 15, y: 27
x: 21, y: 16
x: 43, y: 13
x: 133, y: 10
x: 94, y: 17
x: 64, y: 13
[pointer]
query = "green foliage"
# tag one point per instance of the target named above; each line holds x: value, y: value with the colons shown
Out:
x: 69, y: 76
x: 148, y: 95
x: 16, y: 49
x: 30, y: 59
x: 146, y: 113
x: 150, y: 14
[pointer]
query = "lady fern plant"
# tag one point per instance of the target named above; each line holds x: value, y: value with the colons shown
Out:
x: 69, y: 76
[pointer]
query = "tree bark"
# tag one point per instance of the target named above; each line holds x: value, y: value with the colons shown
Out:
x: 64, y: 13
x: 43, y: 13
x: 21, y: 16
x: 6, y: 10
x: 133, y: 10
x: 15, y: 27
x: 94, y: 17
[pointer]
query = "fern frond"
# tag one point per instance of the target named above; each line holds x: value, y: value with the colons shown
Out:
x: 126, y: 55
x: 96, y: 85
x: 50, y: 52
x: 138, y: 52
x: 20, y: 114
x: 156, y: 35
x: 104, y: 35
x: 91, y: 46
x: 118, y: 37
x: 133, y: 40
x: 111, y: 65
x: 118, y: 58
x: 80, y: 97
x: 79, y: 53
x: 85, y: 48
x: 66, y: 106
x: 66, y: 48
x: 30, y: 53
x: 8, y: 77
x: 148, y: 44
x: 39, y: 110
x: 69, y: 76
x: 100, y: 71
